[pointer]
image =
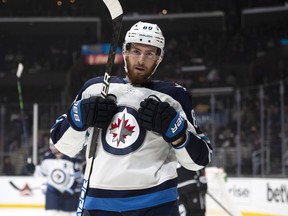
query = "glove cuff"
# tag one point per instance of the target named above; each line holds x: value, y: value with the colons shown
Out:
x: 74, y: 117
x: 183, y: 144
x: 176, y: 129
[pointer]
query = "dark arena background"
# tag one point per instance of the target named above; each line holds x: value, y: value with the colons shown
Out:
x: 231, y: 54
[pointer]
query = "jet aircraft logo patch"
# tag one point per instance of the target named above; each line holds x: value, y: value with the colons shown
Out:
x: 123, y: 135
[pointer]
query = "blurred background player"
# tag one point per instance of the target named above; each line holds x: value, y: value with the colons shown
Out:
x: 192, y: 187
x: 64, y: 176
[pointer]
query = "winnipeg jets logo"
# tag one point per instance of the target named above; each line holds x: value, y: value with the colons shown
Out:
x: 58, y: 176
x: 124, y: 135
x: 121, y: 129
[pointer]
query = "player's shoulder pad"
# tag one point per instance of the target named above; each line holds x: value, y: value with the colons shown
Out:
x: 49, y: 155
x: 72, y: 159
x: 99, y: 79
x: 162, y: 85
x: 170, y: 88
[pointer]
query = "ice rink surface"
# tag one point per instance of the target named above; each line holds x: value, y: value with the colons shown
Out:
x: 25, y: 212
x: 22, y: 212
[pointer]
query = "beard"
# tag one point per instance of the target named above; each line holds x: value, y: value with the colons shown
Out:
x: 138, y: 78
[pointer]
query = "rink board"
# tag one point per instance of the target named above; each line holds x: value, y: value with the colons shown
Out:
x: 248, y: 196
x: 30, y: 196
x: 259, y: 195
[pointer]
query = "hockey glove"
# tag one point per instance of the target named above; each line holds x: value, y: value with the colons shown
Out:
x: 160, y: 117
x: 91, y: 112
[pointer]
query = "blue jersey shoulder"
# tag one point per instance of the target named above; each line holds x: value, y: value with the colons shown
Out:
x: 99, y: 79
x: 50, y: 155
x: 177, y: 92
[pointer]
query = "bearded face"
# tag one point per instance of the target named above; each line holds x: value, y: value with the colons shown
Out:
x: 141, y: 61
x: 139, y: 73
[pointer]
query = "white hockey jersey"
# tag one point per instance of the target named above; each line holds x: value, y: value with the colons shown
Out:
x: 134, y: 168
x: 61, y: 174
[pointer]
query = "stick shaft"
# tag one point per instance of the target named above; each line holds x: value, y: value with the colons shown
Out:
x: 21, y: 105
x: 116, y: 13
x: 14, y: 186
x: 225, y: 209
x: 20, y: 189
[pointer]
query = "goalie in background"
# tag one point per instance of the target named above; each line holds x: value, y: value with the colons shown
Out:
x: 64, y: 176
x: 192, y: 187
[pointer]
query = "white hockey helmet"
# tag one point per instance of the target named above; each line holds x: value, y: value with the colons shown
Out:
x: 145, y: 33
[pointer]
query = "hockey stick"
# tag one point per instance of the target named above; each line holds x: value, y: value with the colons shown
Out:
x: 116, y: 13
x: 30, y: 166
x: 14, y: 186
x: 19, y: 189
x: 225, y: 209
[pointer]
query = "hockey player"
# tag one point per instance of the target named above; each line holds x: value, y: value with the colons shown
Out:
x: 63, y: 174
x: 192, y: 186
x: 143, y: 133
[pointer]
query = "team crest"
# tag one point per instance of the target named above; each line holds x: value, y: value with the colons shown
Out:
x: 58, y: 176
x: 123, y: 135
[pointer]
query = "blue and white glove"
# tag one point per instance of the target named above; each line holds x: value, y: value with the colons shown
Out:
x: 160, y: 117
x: 91, y: 112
